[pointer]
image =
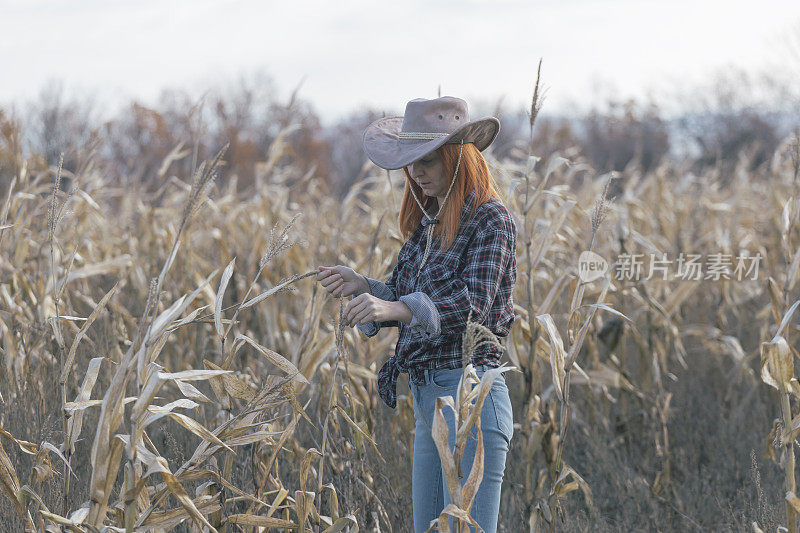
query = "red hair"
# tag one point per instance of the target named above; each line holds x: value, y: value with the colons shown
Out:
x: 473, y: 175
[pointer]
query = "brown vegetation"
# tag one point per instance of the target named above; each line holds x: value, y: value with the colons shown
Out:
x: 167, y: 363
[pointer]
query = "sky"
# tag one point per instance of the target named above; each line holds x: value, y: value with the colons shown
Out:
x: 381, y: 54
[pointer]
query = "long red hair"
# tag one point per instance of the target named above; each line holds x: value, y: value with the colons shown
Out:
x: 473, y: 175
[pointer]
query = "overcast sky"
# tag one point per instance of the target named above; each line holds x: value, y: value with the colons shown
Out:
x: 384, y: 53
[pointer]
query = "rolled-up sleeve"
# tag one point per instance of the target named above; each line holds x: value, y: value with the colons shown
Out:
x: 488, y: 259
x: 425, y: 321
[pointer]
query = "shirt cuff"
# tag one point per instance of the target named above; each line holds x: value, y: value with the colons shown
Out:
x: 380, y: 290
x: 425, y: 319
x: 370, y: 329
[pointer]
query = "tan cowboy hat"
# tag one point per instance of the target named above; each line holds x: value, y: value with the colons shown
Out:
x: 396, y: 142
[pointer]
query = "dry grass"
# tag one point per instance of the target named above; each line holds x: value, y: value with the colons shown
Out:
x: 168, y: 363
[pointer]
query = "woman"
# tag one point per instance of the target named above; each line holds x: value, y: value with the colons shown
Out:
x: 460, y: 261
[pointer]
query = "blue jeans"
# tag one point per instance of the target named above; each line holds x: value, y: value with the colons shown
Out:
x: 428, y: 486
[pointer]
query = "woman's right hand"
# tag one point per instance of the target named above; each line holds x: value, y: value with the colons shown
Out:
x: 340, y: 280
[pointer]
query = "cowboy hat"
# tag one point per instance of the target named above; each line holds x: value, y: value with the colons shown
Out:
x: 396, y: 142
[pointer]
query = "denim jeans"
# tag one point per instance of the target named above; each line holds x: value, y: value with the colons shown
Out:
x: 428, y: 486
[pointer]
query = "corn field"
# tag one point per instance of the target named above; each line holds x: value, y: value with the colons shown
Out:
x: 170, y: 363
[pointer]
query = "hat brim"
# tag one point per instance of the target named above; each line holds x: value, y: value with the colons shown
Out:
x: 383, y: 146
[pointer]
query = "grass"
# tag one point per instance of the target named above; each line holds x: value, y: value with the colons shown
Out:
x: 280, y: 425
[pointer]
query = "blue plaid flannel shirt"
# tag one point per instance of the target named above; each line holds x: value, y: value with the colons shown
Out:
x: 477, y: 273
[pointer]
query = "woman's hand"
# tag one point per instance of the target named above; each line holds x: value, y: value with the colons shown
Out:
x: 366, y: 308
x: 340, y: 280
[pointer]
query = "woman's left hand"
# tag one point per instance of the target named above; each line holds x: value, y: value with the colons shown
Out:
x: 366, y: 308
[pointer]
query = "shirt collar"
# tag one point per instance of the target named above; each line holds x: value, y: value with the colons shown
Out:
x: 466, y: 209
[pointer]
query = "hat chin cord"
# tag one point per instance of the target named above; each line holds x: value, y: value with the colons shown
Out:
x: 432, y: 221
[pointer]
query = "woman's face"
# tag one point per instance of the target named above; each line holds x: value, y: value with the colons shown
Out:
x: 428, y: 172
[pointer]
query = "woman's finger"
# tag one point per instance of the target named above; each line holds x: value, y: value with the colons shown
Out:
x: 356, y: 307
x: 330, y: 286
x: 348, y: 310
x: 330, y: 280
x: 352, y: 307
x: 361, y: 316
x: 360, y: 311
x: 336, y: 287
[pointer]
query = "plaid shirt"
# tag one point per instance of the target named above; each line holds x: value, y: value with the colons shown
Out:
x: 477, y: 273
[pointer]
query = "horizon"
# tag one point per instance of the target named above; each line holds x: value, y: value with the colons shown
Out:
x: 338, y: 71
